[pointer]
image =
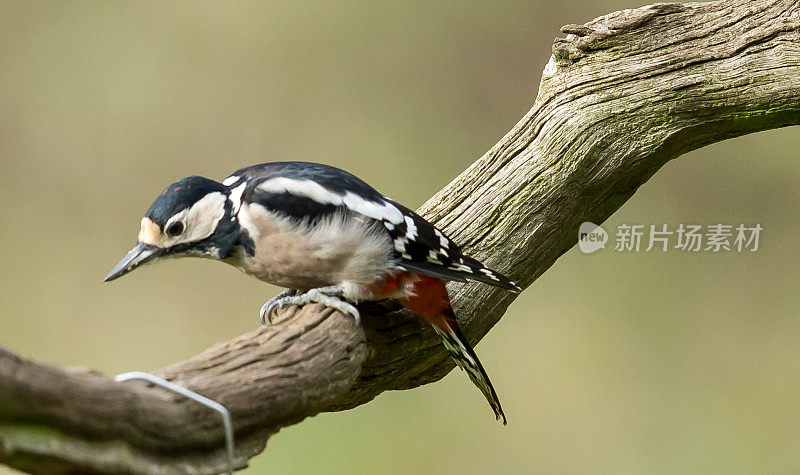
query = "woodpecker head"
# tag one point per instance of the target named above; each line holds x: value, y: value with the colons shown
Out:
x: 192, y: 217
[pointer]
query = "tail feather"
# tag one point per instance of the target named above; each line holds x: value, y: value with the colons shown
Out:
x: 460, y: 350
x: 429, y: 300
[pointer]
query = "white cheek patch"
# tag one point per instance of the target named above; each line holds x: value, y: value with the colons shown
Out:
x: 200, y: 220
x: 313, y: 190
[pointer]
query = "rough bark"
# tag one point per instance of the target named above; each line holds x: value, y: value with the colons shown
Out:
x: 620, y: 96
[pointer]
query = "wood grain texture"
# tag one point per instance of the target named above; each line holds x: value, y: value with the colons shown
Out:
x: 620, y: 96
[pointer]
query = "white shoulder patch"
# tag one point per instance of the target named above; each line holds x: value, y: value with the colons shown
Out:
x: 310, y: 189
x: 252, y: 217
x: 305, y: 188
x: 230, y: 180
x: 235, y: 197
x: 375, y: 210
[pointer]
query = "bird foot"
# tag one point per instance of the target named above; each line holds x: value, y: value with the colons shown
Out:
x: 328, y: 296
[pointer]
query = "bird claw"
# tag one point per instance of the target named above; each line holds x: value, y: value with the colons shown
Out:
x: 330, y: 297
x: 265, y: 314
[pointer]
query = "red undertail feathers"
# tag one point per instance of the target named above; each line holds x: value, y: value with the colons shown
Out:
x: 429, y: 300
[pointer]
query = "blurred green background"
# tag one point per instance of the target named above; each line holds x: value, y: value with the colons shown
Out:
x: 635, y: 362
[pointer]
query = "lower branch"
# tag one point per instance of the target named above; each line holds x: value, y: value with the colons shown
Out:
x: 269, y: 378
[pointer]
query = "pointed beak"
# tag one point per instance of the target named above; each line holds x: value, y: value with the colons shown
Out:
x: 140, y: 254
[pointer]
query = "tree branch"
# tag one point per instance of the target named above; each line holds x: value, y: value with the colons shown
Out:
x: 621, y: 96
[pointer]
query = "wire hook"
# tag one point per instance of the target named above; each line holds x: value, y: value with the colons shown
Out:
x: 211, y: 404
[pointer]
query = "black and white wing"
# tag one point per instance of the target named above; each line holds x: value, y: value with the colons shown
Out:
x: 424, y: 248
x: 306, y: 191
x: 311, y: 191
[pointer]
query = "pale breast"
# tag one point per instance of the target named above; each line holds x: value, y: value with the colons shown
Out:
x: 339, y: 249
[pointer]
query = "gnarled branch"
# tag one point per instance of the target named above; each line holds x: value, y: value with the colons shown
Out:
x: 621, y: 96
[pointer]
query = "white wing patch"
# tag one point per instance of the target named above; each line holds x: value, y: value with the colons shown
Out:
x: 432, y: 257
x: 400, y: 245
x: 230, y: 180
x: 443, y: 241
x: 381, y: 211
x: 411, y: 228
x: 461, y: 268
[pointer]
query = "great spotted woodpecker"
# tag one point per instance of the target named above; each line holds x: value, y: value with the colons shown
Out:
x: 324, y: 234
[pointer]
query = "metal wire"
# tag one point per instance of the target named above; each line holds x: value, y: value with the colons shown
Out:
x: 214, y: 405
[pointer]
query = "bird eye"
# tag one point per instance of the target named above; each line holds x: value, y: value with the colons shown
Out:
x: 175, y: 229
